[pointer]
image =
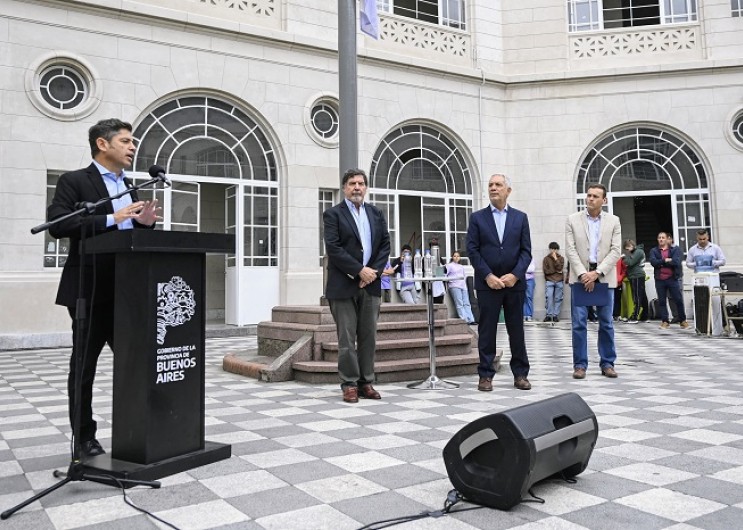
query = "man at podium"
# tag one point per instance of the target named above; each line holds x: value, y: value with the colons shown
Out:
x: 112, y: 148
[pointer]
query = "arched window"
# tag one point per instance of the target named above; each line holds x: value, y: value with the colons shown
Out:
x: 210, y: 138
x: 204, y: 136
x: 421, y: 159
x: 660, y: 172
x: 641, y: 159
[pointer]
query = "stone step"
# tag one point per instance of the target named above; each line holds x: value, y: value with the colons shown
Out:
x: 320, y: 315
x: 275, y: 337
x: 392, y: 371
x: 310, y: 314
x: 410, y: 348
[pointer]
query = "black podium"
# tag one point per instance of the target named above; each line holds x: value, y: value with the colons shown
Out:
x: 159, y: 336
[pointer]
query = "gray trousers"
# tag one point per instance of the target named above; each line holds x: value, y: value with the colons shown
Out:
x: 356, y: 323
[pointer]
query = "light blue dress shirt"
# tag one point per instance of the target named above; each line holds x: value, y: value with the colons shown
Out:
x: 594, y: 234
x: 362, y: 223
x: 115, y: 184
x: 499, y: 216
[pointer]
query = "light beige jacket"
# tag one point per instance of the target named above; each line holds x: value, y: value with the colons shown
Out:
x: 578, y: 246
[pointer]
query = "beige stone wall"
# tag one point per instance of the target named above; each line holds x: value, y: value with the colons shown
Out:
x: 520, y: 105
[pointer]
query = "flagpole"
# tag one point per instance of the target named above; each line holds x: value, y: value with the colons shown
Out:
x: 347, y: 86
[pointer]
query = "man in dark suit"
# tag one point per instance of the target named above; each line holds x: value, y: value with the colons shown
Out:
x: 499, y: 249
x: 358, y: 245
x: 112, y: 148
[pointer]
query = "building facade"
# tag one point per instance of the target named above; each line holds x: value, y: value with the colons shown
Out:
x: 237, y: 100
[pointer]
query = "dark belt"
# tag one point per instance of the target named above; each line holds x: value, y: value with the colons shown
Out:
x: 592, y: 266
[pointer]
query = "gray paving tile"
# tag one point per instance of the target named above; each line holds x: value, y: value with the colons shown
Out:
x: 135, y: 522
x: 380, y: 506
x: 314, y: 470
x: 173, y: 496
x: 720, y: 491
x: 271, y: 502
x: 616, y: 517
x: 724, y: 519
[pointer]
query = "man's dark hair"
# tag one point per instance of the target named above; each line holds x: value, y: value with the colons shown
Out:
x: 405, y: 247
x: 598, y: 186
x: 105, y: 129
x: 554, y: 246
x: 702, y: 232
x: 352, y: 173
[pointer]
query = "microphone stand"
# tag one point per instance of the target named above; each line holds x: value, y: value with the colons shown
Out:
x: 77, y: 470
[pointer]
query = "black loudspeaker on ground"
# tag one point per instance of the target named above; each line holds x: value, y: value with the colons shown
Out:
x: 496, y: 459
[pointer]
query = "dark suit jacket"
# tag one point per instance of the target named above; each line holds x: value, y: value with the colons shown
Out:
x: 488, y: 254
x: 73, y: 187
x: 345, y: 253
x: 656, y: 260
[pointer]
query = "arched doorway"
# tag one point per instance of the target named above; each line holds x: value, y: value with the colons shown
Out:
x: 657, y: 182
x: 224, y: 173
x: 421, y: 179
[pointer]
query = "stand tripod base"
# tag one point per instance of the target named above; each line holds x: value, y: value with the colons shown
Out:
x: 121, y: 469
x: 434, y: 383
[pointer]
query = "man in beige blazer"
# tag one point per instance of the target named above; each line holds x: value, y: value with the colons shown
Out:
x: 594, y: 242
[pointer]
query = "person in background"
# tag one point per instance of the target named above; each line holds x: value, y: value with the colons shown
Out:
x: 552, y: 266
x: 619, y: 291
x: 458, y: 289
x: 705, y: 256
x: 387, y: 282
x: 666, y: 262
x: 405, y: 266
x: 671, y: 304
x: 635, y: 261
x: 529, y: 298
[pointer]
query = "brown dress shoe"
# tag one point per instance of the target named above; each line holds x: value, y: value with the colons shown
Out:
x: 522, y: 383
x: 367, y: 391
x: 485, y: 384
x: 579, y: 373
x: 609, y: 372
x: 350, y: 394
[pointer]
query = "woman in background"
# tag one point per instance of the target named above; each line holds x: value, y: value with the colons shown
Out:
x: 458, y: 289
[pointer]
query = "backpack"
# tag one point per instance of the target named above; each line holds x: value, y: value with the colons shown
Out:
x: 653, y: 311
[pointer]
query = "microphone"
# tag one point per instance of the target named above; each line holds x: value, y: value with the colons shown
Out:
x: 158, y: 172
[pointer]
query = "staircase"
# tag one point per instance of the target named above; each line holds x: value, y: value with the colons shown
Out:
x: 300, y: 343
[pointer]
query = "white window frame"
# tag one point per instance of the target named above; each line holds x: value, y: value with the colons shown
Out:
x: 665, y: 9
x: 444, y: 11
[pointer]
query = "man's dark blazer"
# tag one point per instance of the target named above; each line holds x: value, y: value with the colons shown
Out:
x: 345, y: 253
x: 656, y: 260
x: 73, y: 187
x: 488, y: 254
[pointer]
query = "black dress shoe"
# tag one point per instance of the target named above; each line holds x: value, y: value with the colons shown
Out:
x: 91, y: 448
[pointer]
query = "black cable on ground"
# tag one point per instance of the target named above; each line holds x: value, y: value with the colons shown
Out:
x: 452, y: 498
x: 138, y: 508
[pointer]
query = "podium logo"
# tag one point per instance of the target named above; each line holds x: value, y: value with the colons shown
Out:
x: 176, y: 305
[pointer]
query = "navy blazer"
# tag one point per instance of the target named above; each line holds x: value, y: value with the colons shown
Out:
x: 488, y: 254
x: 84, y: 185
x: 656, y: 260
x: 345, y: 253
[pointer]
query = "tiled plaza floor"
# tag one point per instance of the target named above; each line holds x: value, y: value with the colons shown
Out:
x: 669, y: 453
